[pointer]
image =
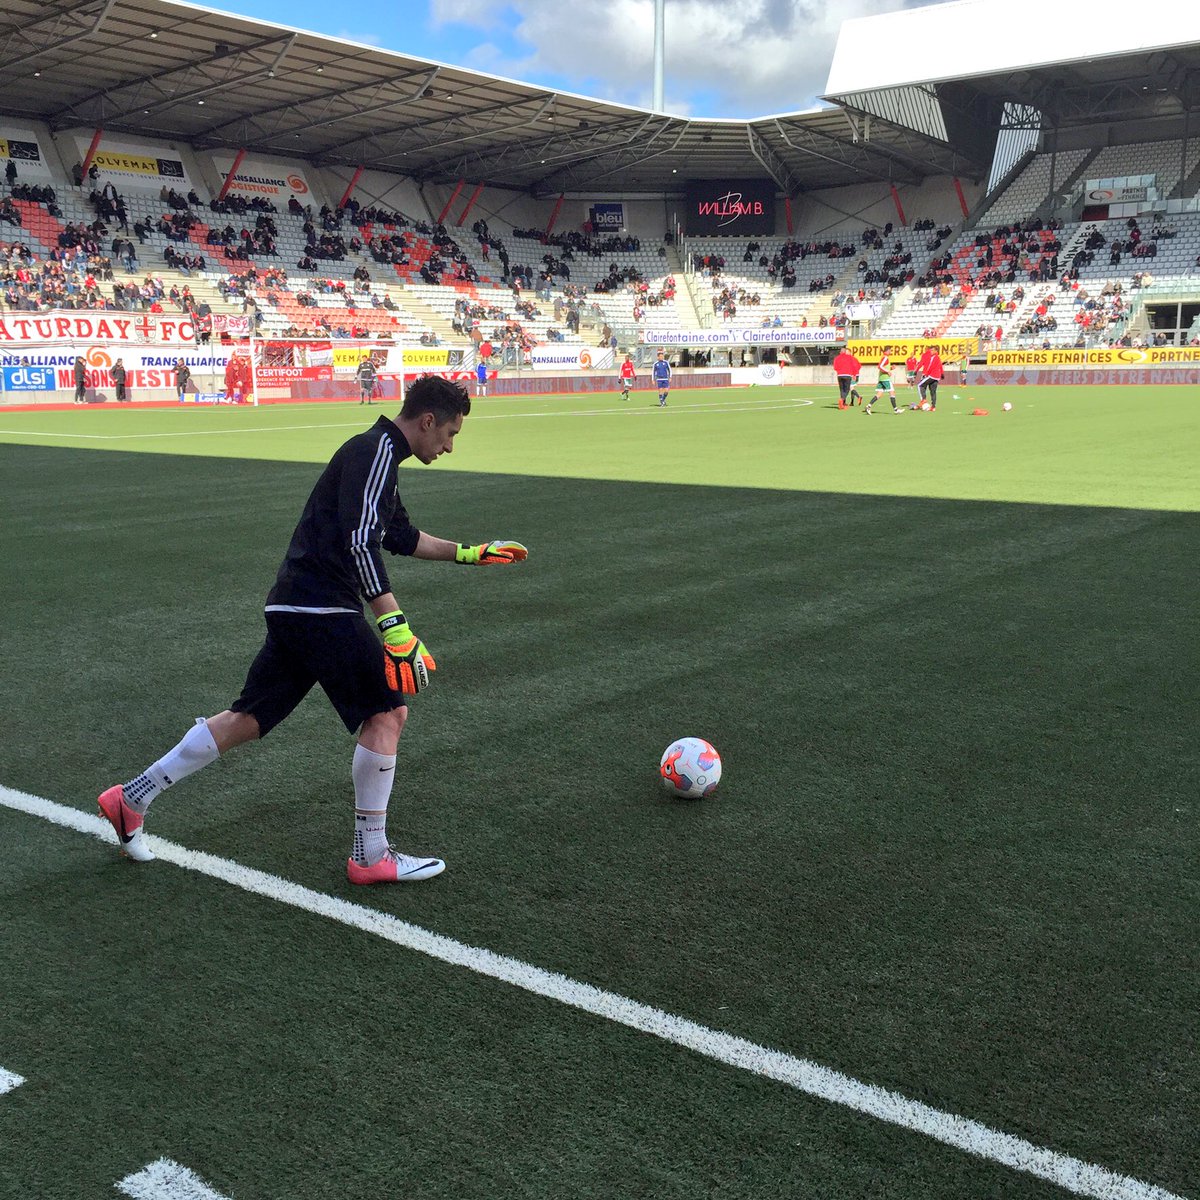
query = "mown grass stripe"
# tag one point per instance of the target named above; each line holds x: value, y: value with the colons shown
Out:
x: 1075, y: 1175
x: 769, y: 405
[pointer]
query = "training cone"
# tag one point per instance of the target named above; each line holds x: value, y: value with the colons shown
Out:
x: 979, y: 412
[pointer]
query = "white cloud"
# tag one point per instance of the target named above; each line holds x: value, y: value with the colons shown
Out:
x: 481, y: 14
x: 751, y: 58
x: 488, y: 57
x: 361, y: 39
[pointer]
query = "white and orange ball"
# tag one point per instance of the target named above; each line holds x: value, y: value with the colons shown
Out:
x: 690, y: 768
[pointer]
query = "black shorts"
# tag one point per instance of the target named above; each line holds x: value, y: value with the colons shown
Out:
x: 340, y: 651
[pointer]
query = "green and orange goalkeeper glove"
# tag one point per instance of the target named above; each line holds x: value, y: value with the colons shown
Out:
x: 491, y: 552
x: 406, y: 660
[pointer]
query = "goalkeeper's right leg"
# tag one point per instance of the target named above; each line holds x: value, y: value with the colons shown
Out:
x: 125, y: 805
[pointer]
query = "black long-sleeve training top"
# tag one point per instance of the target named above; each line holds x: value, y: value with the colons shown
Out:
x: 335, y: 560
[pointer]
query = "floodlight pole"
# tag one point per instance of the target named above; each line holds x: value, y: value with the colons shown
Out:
x: 659, y: 54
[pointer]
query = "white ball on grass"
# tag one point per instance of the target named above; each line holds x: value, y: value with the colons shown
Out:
x: 690, y: 768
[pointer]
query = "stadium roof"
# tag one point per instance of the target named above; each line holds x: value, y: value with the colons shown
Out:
x: 220, y: 81
x: 1064, y: 65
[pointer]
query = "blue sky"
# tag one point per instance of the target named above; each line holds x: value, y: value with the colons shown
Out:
x: 747, y: 58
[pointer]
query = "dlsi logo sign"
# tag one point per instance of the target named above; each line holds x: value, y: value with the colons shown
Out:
x: 29, y: 379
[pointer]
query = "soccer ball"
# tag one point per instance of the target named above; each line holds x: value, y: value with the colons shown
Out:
x: 926, y: 406
x: 1007, y: 406
x: 690, y: 767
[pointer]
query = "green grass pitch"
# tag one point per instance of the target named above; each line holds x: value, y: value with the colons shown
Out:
x: 950, y: 663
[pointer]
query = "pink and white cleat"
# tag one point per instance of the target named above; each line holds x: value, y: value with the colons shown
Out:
x: 394, y: 867
x: 126, y: 822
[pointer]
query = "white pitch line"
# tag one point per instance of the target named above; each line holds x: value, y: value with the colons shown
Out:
x: 1073, y: 1174
x: 167, y: 1180
x: 9, y: 1080
x: 133, y: 437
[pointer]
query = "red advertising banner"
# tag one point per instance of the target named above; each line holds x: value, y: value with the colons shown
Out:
x: 282, y: 376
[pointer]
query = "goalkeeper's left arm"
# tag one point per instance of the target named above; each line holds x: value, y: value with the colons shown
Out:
x: 501, y: 551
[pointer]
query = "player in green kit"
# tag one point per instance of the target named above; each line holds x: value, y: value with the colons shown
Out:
x: 884, y: 386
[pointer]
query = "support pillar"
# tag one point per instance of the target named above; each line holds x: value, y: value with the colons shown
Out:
x: 234, y: 167
x: 458, y: 187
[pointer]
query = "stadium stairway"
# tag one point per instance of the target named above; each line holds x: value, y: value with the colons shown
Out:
x: 685, y: 302
x: 823, y: 306
x: 435, y: 320
x: 1190, y: 185
x: 1067, y: 185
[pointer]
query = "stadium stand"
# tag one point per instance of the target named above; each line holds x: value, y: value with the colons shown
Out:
x: 1011, y: 276
x: 934, y: 281
x: 1030, y: 189
x: 1161, y: 159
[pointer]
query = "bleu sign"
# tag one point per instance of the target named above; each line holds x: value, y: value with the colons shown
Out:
x: 608, y: 218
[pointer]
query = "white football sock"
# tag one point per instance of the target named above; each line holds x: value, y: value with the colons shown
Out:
x: 196, y: 749
x: 372, y: 774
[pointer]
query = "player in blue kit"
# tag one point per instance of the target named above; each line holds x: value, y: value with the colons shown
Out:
x: 662, y: 378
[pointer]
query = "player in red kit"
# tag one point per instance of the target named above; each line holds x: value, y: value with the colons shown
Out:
x: 628, y: 374
x: 237, y: 380
x: 929, y: 375
x: 847, y: 368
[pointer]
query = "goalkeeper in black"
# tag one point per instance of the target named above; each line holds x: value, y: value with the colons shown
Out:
x: 317, y: 632
x: 367, y: 380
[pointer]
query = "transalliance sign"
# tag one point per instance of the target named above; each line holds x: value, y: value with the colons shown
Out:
x: 262, y: 177
x: 569, y: 358
x: 98, y: 326
x: 755, y: 336
x: 1120, y: 357
x: 730, y: 207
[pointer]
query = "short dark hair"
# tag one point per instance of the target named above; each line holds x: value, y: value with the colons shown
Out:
x: 442, y: 397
